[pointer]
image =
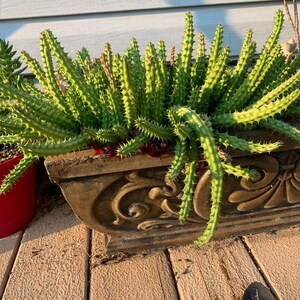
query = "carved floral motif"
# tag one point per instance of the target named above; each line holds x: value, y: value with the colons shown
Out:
x: 279, y: 185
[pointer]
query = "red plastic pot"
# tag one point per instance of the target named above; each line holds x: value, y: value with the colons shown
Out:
x: 17, y: 206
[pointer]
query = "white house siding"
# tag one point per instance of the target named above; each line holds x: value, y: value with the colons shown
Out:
x: 91, y: 23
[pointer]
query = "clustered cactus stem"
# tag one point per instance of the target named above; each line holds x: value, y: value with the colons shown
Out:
x: 131, y: 100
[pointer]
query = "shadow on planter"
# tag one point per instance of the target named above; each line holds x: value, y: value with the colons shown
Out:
x: 17, y: 207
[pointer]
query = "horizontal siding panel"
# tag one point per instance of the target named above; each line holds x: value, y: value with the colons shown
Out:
x: 16, y: 9
x: 93, y: 31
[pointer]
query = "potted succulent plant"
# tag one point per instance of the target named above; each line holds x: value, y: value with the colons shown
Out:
x: 17, y: 205
x: 134, y: 116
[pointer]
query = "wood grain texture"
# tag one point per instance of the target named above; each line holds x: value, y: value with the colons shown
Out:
x: 218, y: 270
x: 278, y: 256
x: 92, y: 31
x: 52, y: 259
x: 139, y: 277
x: 15, y: 9
x: 8, y: 249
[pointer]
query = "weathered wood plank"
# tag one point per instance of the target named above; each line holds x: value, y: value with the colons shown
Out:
x: 278, y: 256
x: 8, y: 249
x: 218, y: 270
x: 134, y: 278
x: 52, y: 259
x: 15, y: 9
x: 93, y: 31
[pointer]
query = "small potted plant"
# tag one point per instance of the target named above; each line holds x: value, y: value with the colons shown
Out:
x: 121, y: 109
x: 17, y: 205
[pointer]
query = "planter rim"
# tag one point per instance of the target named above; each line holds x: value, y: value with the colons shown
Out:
x: 69, y: 164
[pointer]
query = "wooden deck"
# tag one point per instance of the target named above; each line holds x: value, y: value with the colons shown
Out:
x: 57, y: 257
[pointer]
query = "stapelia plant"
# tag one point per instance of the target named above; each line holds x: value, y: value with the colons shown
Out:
x: 131, y: 100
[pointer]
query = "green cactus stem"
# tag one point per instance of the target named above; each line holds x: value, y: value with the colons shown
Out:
x: 9, y: 125
x: 187, y: 46
x: 52, y: 86
x: 153, y: 130
x: 35, y: 68
x: 262, y: 65
x: 240, y: 70
x: 189, y: 182
x: 252, y: 115
x: 106, y: 136
x: 216, y: 48
x: 16, y: 173
x: 132, y: 146
x: 198, y: 69
x: 210, y: 150
x: 101, y: 135
x: 151, y: 64
x: 14, y: 139
x: 244, y: 145
x: 53, y: 149
x: 238, y: 171
x: 114, y: 102
x: 213, y: 76
x: 283, y: 88
x: 178, y: 161
x: 129, y: 100
x: 45, y: 129
x: 282, y: 127
x: 43, y: 110
x: 120, y: 131
x: 66, y: 65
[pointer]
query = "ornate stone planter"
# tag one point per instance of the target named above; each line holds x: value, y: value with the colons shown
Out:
x: 132, y: 203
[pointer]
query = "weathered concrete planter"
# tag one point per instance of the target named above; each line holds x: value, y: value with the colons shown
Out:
x: 132, y: 203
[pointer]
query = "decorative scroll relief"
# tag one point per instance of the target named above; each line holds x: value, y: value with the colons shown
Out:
x: 279, y: 185
x: 145, y: 199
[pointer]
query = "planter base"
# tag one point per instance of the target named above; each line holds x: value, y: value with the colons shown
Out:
x: 252, y: 223
x: 136, y: 207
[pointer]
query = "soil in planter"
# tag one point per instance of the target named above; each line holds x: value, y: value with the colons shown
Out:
x: 6, y: 153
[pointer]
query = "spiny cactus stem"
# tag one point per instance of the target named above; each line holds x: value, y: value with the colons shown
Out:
x: 189, y: 182
x: 282, y: 127
x: 73, y: 76
x: 16, y: 173
x: 132, y: 145
x: 53, y: 149
x: 128, y: 94
x: 252, y: 115
x: 35, y: 68
x: 238, y: 171
x: 244, y: 145
x: 153, y: 130
x: 52, y: 85
x: 214, y: 163
x: 45, y: 129
x: 178, y: 161
x: 107, y: 69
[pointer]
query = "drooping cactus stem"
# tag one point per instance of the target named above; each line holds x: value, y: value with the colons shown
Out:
x: 189, y: 182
